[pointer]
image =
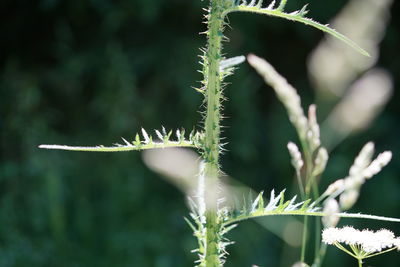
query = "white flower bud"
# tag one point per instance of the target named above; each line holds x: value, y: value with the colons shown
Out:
x: 353, y: 182
x: 363, y: 159
x: 376, y: 166
x: 286, y: 93
x: 313, y: 134
x: 295, y: 154
x: 331, y: 208
x: 320, y: 161
x: 334, y: 187
x: 348, y: 198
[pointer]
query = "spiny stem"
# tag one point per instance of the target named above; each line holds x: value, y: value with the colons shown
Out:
x: 213, y: 86
x: 212, y: 126
x: 212, y: 254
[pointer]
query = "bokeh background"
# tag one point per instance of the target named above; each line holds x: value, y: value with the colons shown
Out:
x: 89, y: 72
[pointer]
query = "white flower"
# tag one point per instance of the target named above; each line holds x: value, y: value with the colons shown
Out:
x: 330, y: 235
x: 295, y: 154
x: 368, y: 241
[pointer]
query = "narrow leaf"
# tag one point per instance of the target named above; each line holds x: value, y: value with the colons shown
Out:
x: 298, y: 16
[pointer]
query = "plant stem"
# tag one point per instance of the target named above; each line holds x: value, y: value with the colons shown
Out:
x: 309, y: 166
x: 304, y: 240
x: 212, y: 128
x: 379, y: 253
x: 213, y: 86
x: 321, y: 255
x: 212, y: 258
x: 317, y: 254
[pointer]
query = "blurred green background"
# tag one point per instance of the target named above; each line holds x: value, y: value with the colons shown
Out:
x: 91, y: 71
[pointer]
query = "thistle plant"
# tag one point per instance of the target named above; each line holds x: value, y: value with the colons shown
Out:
x: 210, y: 218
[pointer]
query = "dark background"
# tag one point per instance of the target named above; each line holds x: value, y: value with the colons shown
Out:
x: 88, y: 72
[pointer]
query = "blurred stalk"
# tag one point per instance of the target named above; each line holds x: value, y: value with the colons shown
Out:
x: 56, y: 207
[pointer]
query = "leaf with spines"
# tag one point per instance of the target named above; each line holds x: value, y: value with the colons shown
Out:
x: 298, y: 16
x: 278, y: 206
x: 194, y: 140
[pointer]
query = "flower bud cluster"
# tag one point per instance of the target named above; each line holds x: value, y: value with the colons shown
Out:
x: 362, y: 169
x: 366, y: 240
x: 295, y: 154
x: 313, y: 133
x: 286, y: 93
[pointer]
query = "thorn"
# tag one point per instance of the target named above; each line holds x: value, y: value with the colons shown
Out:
x: 303, y: 11
x: 271, y: 6
x: 146, y: 136
x: 282, y: 5
x: 159, y: 135
x: 126, y: 142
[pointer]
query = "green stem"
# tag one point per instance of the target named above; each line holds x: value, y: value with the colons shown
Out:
x: 359, y: 262
x: 309, y: 166
x: 212, y: 253
x: 342, y: 248
x: 317, y: 225
x: 213, y: 83
x: 300, y: 184
x: 212, y: 128
x: 379, y: 253
x: 304, y: 240
x: 321, y: 255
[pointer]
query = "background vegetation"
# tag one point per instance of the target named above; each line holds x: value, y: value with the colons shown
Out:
x: 87, y: 72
